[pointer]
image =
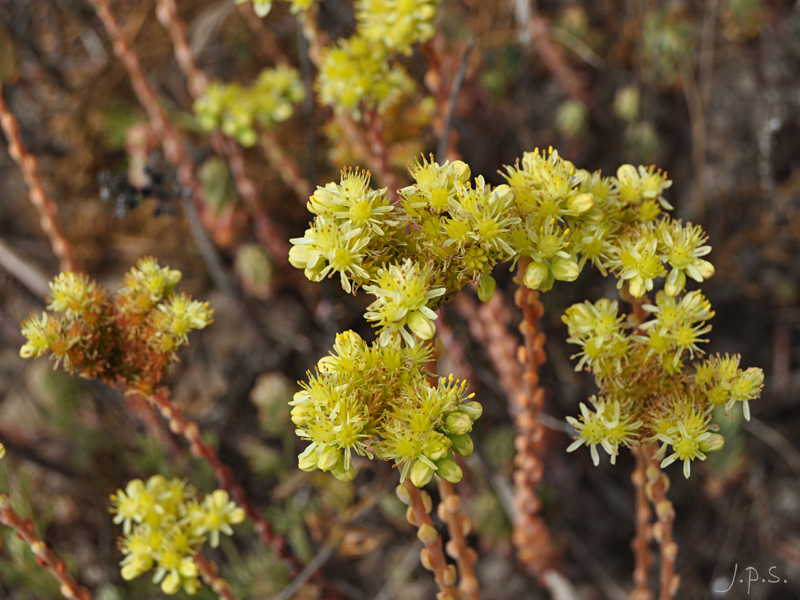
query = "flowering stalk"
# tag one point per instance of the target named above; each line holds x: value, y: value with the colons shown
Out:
x: 432, y: 556
x: 46, y: 558
x: 180, y: 425
x: 39, y: 198
x: 208, y: 571
x: 535, y: 547
x: 656, y: 490
x: 174, y: 148
x: 644, y: 531
x: 458, y: 525
x: 266, y: 231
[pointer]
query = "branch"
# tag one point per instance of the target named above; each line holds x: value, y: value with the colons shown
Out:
x: 458, y: 525
x: 180, y: 425
x: 39, y: 198
x: 46, y: 558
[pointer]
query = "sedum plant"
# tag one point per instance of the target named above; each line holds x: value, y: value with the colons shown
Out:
x: 166, y: 525
x: 237, y: 109
x: 447, y: 231
x: 128, y: 338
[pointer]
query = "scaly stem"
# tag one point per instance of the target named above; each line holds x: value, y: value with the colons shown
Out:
x: 44, y: 555
x: 180, y: 425
x: 39, y: 198
x: 644, y: 531
x: 535, y: 547
x: 432, y: 556
x: 656, y: 490
x: 458, y: 526
x: 208, y: 571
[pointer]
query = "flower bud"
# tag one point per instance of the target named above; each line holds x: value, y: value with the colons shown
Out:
x: 473, y: 409
x: 713, y: 443
x: 344, y: 474
x: 565, y: 270
x: 421, y: 325
x: 503, y: 192
x: 462, y: 444
x: 676, y: 281
x: 580, y: 203
x: 535, y: 274
x: 328, y: 458
x: 486, y: 288
x: 420, y: 474
x: 307, y: 461
x: 449, y: 470
x: 302, y: 415
x: 458, y: 422
x: 461, y: 171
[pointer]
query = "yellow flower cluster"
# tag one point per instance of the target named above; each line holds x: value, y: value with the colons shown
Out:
x: 358, y: 74
x: 376, y: 399
x: 128, y: 338
x: 165, y: 525
x: 236, y: 109
x: 647, y: 393
x: 448, y: 230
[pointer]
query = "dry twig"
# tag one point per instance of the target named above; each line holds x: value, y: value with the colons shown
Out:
x: 208, y: 571
x: 180, y: 425
x: 44, y: 555
x: 39, y: 198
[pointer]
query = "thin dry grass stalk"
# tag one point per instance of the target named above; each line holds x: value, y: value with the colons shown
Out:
x: 46, y: 558
x: 39, y: 198
x: 174, y: 148
x: 266, y: 232
x: 458, y: 525
x: 432, y: 556
x: 656, y: 489
x: 208, y: 571
x: 180, y: 425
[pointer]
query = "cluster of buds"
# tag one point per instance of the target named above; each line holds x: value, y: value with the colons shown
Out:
x: 377, y: 400
x: 236, y: 109
x: 166, y: 525
x: 127, y: 338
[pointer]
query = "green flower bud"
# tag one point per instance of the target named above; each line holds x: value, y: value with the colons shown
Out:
x: 473, y: 409
x: 462, y: 444
x: 421, y: 474
x: 449, y: 470
x: 712, y: 444
x: 328, y: 458
x: 343, y: 474
x: 307, y: 461
x: 458, y: 423
x: 421, y: 325
x: 535, y: 275
x: 486, y: 288
x: 565, y: 270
